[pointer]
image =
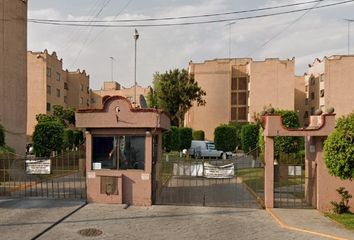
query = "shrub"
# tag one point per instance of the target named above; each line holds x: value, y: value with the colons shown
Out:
x: 68, y: 138
x: 167, y: 140
x: 261, y: 144
x: 2, y: 136
x: 238, y: 127
x: 249, y: 137
x: 48, y: 137
x: 339, y: 149
x: 342, y: 206
x: 185, y: 138
x: 199, y: 135
x: 225, y: 138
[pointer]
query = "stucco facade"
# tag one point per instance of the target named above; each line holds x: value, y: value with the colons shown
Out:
x: 115, y: 89
x: 49, y: 85
x: 328, y: 83
x: 238, y: 89
x: 13, y: 72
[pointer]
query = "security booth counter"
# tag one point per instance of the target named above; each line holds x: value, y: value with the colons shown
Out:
x: 122, y: 145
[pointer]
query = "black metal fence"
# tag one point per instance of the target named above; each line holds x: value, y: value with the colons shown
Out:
x: 59, y: 177
x: 237, y: 181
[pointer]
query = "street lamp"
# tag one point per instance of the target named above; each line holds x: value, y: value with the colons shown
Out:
x: 136, y: 37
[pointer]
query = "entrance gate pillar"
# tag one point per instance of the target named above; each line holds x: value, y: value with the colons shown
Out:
x: 269, y: 172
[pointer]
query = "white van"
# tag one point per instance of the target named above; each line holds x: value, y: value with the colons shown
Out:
x: 205, y: 149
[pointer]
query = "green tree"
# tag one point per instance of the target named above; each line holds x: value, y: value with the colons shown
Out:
x: 225, y: 138
x: 68, y: 138
x: 78, y: 137
x: 175, y: 91
x: 198, y: 135
x: 2, y: 136
x: 238, y: 127
x: 66, y: 116
x: 185, y: 138
x: 339, y: 149
x: 48, y: 137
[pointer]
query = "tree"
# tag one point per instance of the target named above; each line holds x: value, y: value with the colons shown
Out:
x: 225, y: 138
x: 48, y: 137
x: 175, y: 91
x: 199, y: 135
x: 67, y: 116
x: 238, y: 127
x: 339, y: 149
x: 249, y: 137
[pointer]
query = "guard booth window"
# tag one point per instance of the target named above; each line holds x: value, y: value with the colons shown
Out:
x: 118, y: 152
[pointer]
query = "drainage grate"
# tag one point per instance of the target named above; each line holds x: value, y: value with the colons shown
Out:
x: 90, y: 232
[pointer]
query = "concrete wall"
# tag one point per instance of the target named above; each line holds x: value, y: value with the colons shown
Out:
x: 300, y: 96
x: 272, y: 82
x: 13, y: 72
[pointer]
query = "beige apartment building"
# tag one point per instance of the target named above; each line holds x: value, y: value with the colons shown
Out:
x: 329, y: 83
x: 49, y: 85
x: 238, y: 89
x: 113, y: 88
x: 13, y: 72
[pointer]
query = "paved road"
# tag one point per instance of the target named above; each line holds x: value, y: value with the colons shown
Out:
x: 24, y: 219
x: 172, y: 223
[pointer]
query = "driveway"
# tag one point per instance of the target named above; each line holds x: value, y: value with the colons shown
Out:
x: 171, y: 222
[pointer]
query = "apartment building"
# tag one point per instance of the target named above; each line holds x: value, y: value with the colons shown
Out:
x: 112, y: 88
x: 329, y: 83
x: 238, y: 89
x: 13, y: 72
x: 49, y: 85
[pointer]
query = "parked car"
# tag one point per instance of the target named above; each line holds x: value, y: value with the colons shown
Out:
x: 206, y: 149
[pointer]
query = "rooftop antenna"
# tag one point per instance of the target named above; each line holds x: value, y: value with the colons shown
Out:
x: 348, y: 33
x: 229, y: 25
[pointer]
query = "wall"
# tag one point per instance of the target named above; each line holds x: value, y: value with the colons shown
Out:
x: 300, y: 96
x: 78, y: 93
x: 13, y: 72
x: 272, y: 82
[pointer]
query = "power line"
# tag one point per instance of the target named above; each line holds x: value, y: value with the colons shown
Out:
x: 190, y: 23
x: 284, y: 29
x: 182, y: 17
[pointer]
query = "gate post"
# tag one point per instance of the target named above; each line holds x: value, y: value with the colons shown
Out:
x: 269, y: 172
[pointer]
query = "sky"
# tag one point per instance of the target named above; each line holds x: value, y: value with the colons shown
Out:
x: 319, y: 33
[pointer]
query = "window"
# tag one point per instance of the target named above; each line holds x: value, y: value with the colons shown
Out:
x: 242, y: 83
x: 234, y: 83
x: 48, y: 107
x: 58, y: 77
x: 312, y: 81
x: 49, y: 72
x: 93, y: 100
x: 81, y: 87
x: 66, y: 86
x: 118, y: 152
x: 322, y: 93
x: 242, y: 98
x: 233, y: 98
x: 312, y: 95
x: 58, y: 92
x: 242, y: 113
x: 233, y: 113
x: 49, y: 90
x: 88, y: 90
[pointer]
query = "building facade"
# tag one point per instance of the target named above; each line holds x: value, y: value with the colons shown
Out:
x: 13, y: 72
x: 50, y: 85
x: 328, y: 83
x: 238, y: 89
x: 115, y: 89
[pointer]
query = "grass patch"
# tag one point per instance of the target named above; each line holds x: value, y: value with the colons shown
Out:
x: 346, y: 219
x: 253, y: 177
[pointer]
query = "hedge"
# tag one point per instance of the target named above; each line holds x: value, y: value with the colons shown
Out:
x: 249, y: 137
x: 185, y: 138
x: 167, y: 141
x: 68, y: 138
x: 48, y: 137
x: 225, y: 138
x: 177, y: 139
x: 198, y: 135
x: 238, y: 127
x: 2, y: 136
x: 339, y: 149
x: 174, y: 138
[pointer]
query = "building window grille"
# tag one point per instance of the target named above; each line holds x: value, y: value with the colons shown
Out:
x: 242, y: 83
x: 242, y: 113
x: 58, y: 92
x: 234, y: 83
x: 233, y: 98
x: 66, y: 86
x: 242, y: 98
x: 233, y: 114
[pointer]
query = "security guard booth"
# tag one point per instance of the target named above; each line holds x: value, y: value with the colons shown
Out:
x: 123, y: 144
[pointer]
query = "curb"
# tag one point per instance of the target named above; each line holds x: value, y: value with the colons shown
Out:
x: 284, y: 225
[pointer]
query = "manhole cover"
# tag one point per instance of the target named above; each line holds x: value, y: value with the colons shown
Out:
x: 90, y: 232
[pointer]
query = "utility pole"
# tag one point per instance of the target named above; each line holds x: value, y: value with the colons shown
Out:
x: 136, y: 37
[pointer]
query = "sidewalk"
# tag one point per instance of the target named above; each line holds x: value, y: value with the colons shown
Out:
x: 312, y: 220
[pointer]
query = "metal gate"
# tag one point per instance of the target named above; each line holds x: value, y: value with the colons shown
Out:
x: 59, y: 177
x: 234, y: 182
x: 291, y: 183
